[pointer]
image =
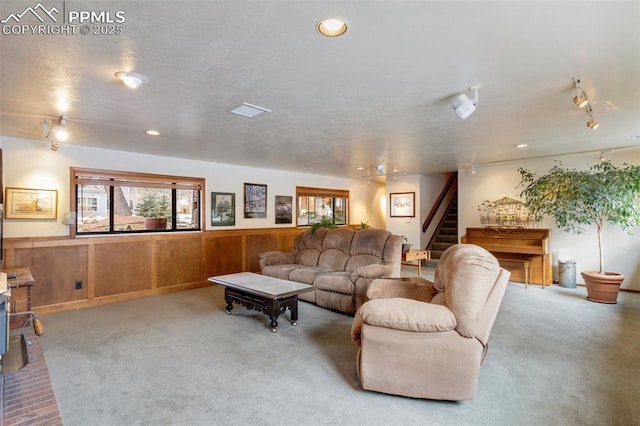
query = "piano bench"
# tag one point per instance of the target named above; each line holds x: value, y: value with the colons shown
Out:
x: 526, y: 265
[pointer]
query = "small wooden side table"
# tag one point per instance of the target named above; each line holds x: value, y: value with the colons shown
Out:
x: 418, y: 255
x: 20, y: 293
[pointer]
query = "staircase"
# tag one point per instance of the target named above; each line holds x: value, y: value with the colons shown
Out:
x: 447, y: 233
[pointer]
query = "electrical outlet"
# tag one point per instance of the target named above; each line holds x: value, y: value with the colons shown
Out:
x: 79, y: 285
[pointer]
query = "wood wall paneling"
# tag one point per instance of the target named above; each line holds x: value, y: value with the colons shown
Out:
x: 55, y: 271
x: 122, y: 267
x: 223, y: 255
x: 178, y: 261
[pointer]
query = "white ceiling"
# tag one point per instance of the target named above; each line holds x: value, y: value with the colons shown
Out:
x: 380, y: 93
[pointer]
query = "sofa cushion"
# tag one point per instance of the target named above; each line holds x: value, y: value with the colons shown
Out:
x: 308, y: 246
x: 307, y: 275
x: 367, y: 247
x: 335, y: 249
x: 339, y: 282
x: 280, y: 271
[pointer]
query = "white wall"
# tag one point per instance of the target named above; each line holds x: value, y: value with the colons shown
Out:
x: 32, y: 164
x: 427, y: 189
x: 621, y: 251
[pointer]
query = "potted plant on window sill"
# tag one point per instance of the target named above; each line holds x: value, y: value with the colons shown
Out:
x: 155, y: 210
x: 602, y: 193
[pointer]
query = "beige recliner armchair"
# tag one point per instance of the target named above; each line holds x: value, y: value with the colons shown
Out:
x: 428, y: 340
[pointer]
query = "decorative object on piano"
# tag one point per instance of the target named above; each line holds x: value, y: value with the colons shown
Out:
x: 506, y: 211
x: 576, y: 198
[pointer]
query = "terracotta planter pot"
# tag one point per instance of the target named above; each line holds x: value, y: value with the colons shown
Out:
x: 155, y: 223
x: 602, y: 288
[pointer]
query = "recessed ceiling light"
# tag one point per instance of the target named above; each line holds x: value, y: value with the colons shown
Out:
x: 636, y: 137
x: 360, y: 168
x: 521, y: 145
x: 152, y: 132
x: 332, y: 27
x: 248, y: 110
x: 131, y: 79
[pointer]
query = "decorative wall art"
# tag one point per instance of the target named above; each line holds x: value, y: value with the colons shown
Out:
x: 255, y: 201
x: 402, y: 204
x: 27, y: 203
x: 284, y: 209
x: 223, y: 209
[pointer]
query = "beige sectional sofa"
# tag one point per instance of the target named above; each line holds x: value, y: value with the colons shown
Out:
x: 339, y: 263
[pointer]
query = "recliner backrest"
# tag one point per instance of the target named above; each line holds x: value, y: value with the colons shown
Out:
x: 467, y: 274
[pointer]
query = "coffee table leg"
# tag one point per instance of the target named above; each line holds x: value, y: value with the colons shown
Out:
x: 293, y: 308
x: 227, y: 299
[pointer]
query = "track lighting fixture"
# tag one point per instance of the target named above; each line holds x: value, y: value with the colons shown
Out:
x: 463, y: 106
x: 579, y: 98
x: 581, y: 101
x: 592, y: 124
x: 56, y: 132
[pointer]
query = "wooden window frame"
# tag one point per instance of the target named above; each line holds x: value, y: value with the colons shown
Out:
x: 306, y: 191
x: 110, y: 178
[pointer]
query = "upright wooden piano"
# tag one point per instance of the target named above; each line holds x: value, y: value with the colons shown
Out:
x: 522, y: 251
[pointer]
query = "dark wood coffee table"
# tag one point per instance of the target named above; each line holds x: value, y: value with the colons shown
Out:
x: 271, y: 296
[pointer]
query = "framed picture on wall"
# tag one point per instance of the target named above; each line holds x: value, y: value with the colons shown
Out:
x: 223, y: 209
x: 27, y: 203
x: 255, y: 201
x: 284, y: 209
x: 402, y: 204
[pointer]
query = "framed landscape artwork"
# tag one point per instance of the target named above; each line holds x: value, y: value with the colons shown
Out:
x: 27, y: 203
x: 284, y: 209
x: 223, y: 209
x: 255, y: 201
x: 402, y: 204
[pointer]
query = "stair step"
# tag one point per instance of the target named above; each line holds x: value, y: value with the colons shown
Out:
x: 449, y: 239
x: 448, y: 231
x: 440, y: 246
x: 450, y: 224
x: 435, y: 255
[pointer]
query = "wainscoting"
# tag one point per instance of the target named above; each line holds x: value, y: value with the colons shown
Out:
x: 81, y: 272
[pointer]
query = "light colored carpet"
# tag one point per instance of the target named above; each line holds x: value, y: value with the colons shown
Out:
x: 554, y: 358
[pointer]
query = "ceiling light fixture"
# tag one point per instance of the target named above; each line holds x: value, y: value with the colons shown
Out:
x: 463, y: 106
x: 152, y: 132
x: 380, y: 168
x: 332, y: 27
x: 57, y: 132
x: 248, y: 110
x: 581, y: 101
x: 54, y: 146
x: 592, y: 124
x: 579, y: 97
x: 131, y: 79
x: 521, y: 145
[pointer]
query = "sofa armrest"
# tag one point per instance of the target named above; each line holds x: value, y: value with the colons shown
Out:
x: 403, y: 314
x: 371, y: 272
x: 408, y: 288
x: 275, y: 258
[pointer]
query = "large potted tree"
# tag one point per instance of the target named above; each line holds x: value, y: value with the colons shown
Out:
x: 578, y: 198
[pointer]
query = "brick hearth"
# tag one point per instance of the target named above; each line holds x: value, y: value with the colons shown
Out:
x: 27, y: 396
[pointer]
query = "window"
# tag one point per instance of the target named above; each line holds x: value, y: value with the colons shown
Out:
x: 108, y: 202
x: 317, y: 203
